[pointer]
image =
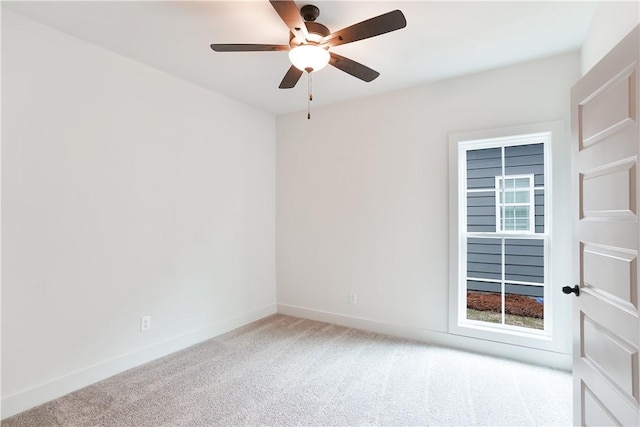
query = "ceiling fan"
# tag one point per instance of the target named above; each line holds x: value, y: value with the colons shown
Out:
x: 310, y: 42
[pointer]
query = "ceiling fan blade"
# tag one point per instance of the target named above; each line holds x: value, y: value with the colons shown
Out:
x: 352, y: 67
x: 290, y: 15
x: 241, y: 47
x: 291, y: 78
x: 382, y: 24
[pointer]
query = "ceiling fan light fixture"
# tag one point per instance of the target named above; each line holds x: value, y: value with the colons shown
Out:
x: 309, y: 56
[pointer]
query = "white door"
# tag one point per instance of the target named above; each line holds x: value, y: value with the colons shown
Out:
x: 606, y: 239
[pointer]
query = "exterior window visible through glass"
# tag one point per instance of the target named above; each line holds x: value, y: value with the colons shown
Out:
x: 514, y: 203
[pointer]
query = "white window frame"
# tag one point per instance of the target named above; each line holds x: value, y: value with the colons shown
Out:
x: 556, y: 336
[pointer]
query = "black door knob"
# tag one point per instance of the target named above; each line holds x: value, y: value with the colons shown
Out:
x: 568, y: 289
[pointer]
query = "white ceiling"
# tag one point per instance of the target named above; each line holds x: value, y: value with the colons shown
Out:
x: 442, y: 39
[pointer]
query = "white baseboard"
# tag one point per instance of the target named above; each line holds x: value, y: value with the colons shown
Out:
x: 43, y: 393
x: 523, y: 354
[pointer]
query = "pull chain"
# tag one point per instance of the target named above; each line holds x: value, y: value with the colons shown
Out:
x: 309, y: 92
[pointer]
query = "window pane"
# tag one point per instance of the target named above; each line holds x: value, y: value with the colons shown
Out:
x: 521, y: 182
x: 521, y: 211
x: 524, y: 261
x: 524, y: 310
x: 482, y: 167
x: 481, y: 212
x: 485, y: 306
x: 484, y: 258
x: 510, y: 197
x: 521, y: 197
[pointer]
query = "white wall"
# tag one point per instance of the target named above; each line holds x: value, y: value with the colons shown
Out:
x: 362, y: 198
x: 125, y: 192
x: 612, y: 21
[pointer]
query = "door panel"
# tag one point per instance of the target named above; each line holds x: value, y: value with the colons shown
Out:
x: 599, y: 412
x: 609, y: 108
x: 595, y: 410
x: 614, y: 358
x: 598, y: 202
x: 611, y: 271
x: 606, y: 240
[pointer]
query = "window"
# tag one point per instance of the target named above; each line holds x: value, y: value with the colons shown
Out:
x: 500, y: 266
x: 503, y: 238
x: 503, y: 277
x: 514, y: 203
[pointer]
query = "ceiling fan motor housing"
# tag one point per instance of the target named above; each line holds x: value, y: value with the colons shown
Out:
x: 309, y: 12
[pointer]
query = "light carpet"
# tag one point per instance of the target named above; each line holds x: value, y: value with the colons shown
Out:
x: 283, y: 370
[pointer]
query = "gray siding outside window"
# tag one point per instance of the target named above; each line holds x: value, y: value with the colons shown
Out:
x: 524, y: 262
x: 482, y: 168
x: 539, y: 204
x: 484, y: 258
x: 481, y: 212
x: 524, y: 159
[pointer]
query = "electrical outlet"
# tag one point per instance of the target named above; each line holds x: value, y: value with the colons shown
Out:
x: 145, y: 323
x: 353, y: 298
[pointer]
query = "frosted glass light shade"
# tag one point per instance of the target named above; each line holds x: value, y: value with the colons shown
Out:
x: 309, y: 56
